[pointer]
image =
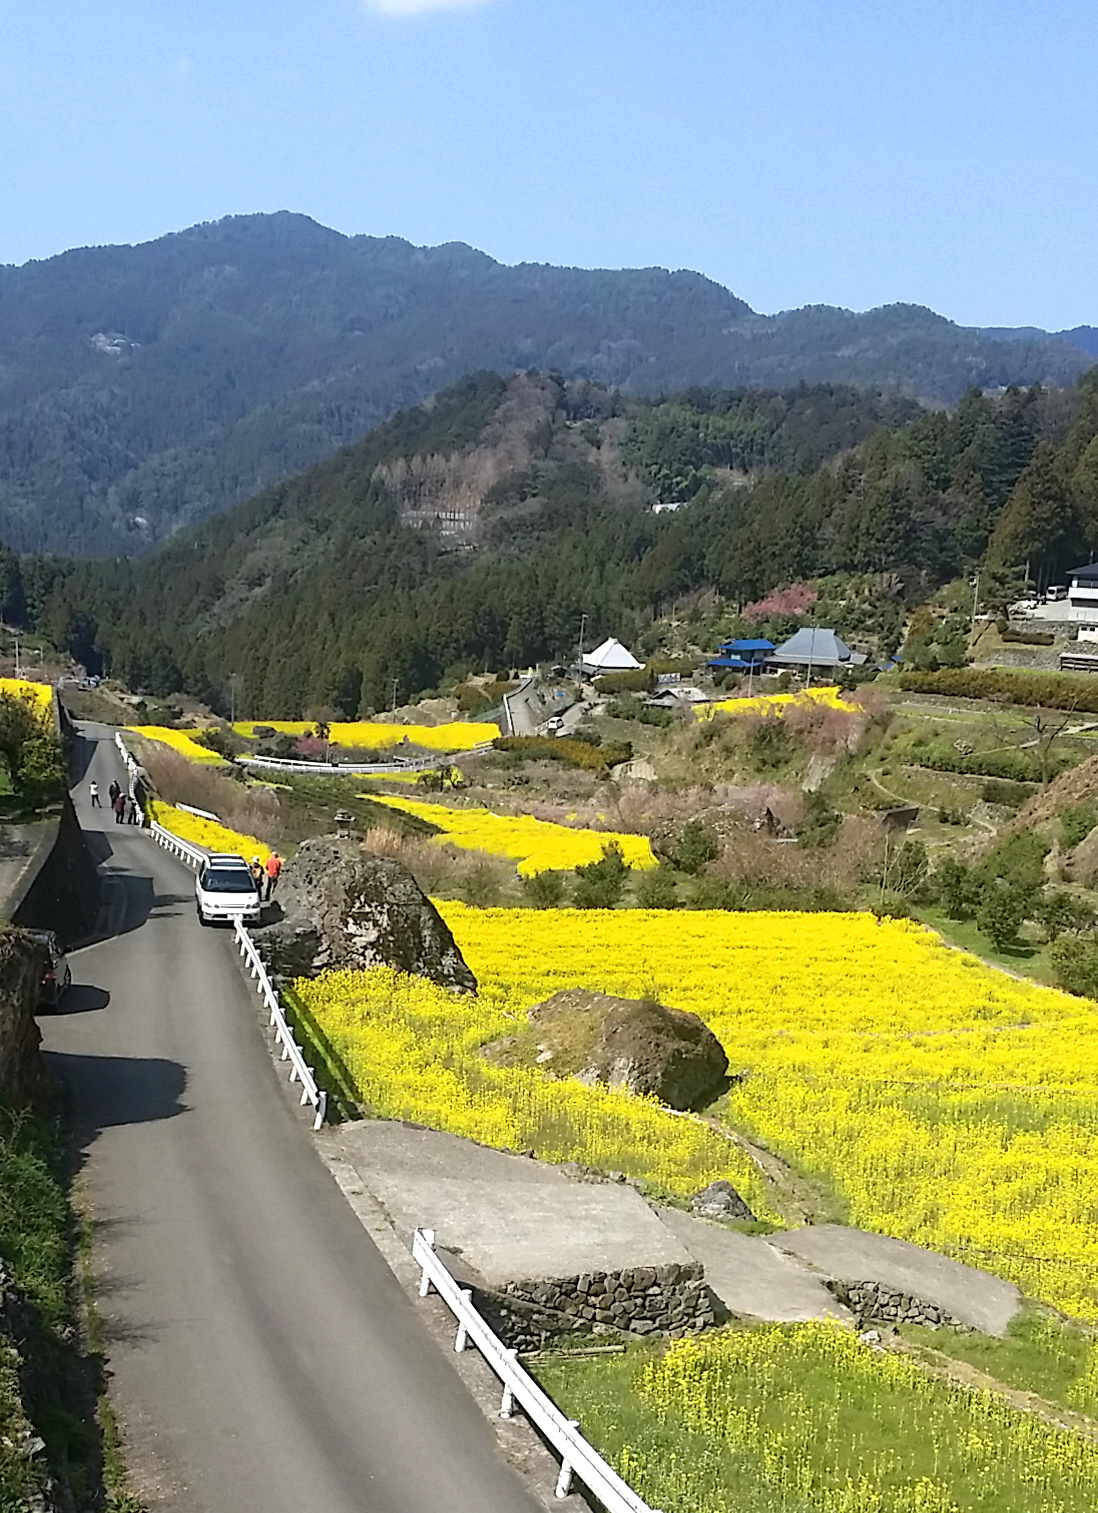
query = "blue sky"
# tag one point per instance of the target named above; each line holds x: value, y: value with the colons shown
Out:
x: 799, y: 151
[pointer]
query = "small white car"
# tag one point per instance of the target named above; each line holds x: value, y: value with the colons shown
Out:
x: 225, y: 890
x: 555, y: 722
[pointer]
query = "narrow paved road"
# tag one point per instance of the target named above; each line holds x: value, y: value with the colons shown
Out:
x: 265, y: 1360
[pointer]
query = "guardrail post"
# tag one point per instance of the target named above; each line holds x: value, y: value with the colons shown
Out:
x: 321, y: 1109
x: 463, y: 1333
x: 428, y: 1238
x: 564, y: 1480
x: 507, y: 1406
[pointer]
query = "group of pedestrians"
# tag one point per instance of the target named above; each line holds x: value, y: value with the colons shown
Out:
x: 125, y: 806
x: 266, y: 877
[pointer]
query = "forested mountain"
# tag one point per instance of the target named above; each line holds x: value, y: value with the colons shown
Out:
x: 146, y: 387
x: 474, y: 531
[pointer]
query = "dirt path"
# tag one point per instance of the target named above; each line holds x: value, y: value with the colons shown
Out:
x: 946, y: 1367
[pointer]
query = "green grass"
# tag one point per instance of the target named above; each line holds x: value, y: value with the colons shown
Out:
x: 1026, y: 959
x: 1040, y: 1353
x: 804, y: 1419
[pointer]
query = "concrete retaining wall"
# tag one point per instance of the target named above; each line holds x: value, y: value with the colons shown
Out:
x: 60, y: 889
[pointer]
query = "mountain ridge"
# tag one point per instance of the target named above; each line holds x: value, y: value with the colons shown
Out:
x: 145, y: 387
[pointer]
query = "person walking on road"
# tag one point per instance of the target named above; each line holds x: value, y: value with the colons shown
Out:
x: 93, y: 789
x: 273, y: 869
x: 119, y: 807
x: 114, y: 790
x: 134, y: 815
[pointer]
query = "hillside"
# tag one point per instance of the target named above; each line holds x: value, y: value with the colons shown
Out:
x: 475, y: 530
x: 145, y: 387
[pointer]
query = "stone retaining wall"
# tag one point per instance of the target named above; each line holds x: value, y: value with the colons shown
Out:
x: 671, y: 1299
x: 874, y: 1301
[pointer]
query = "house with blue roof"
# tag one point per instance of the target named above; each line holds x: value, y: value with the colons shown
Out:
x: 743, y: 656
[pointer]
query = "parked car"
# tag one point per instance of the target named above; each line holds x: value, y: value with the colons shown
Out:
x: 57, y: 975
x: 555, y: 722
x: 1056, y: 593
x: 225, y: 890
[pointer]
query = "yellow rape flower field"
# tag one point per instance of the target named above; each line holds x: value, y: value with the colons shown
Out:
x: 779, y: 703
x: 181, y: 741
x: 39, y: 694
x: 948, y: 1103
x: 208, y: 834
x: 461, y: 735
x: 536, y: 845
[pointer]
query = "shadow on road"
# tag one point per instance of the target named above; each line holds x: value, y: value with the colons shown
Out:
x: 82, y: 998
x: 105, y: 1091
x: 81, y: 751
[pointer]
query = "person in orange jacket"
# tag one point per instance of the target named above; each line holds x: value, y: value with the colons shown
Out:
x: 273, y: 870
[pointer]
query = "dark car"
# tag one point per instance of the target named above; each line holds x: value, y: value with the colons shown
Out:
x: 57, y: 977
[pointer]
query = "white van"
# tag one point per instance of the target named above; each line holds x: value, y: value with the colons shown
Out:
x: 1056, y: 593
x: 225, y: 890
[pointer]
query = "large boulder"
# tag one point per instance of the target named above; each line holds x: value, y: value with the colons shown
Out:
x: 637, y: 1044
x: 344, y: 907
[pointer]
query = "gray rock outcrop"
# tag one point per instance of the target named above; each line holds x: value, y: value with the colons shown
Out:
x: 642, y: 1046
x: 22, y: 962
x: 720, y: 1200
x: 344, y: 907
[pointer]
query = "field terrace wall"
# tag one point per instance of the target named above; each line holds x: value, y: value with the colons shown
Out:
x: 874, y: 1302
x: 670, y: 1299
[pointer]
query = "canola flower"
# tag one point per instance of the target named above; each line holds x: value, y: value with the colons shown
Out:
x: 38, y: 694
x: 461, y: 735
x: 536, y: 845
x: 780, y: 703
x: 413, y: 1052
x: 947, y: 1103
x: 787, y: 1418
x: 179, y: 740
x: 209, y: 834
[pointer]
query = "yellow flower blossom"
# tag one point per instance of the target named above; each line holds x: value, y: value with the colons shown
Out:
x: 461, y: 735
x: 536, y: 845
x: 39, y: 694
x: 208, y: 834
x: 181, y: 741
x: 779, y: 703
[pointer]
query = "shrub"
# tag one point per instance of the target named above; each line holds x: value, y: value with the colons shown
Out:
x: 1075, y: 961
x: 639, y: 680
x: 1076, y: 824
x: 545, y: 890
x: 573, y: 751
x: 1060, y: 911
x: 1000, y: 913
x: 601, y: 884
x: 696, y: 845
x: 820, y: 823
x: 656, y: 890
x: 1050, y: 691
x: 1006, y: 794
x: 1027, y: 637
x: 956, y: 887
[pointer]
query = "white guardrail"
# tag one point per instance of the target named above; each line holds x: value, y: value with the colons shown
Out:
x: 284, y: 1035
x: 578, y: 1458
x: 357, y: 769
x: 194, y: 856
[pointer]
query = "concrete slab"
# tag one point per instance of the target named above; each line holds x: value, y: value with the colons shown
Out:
x: 974, y: 1297
x: 750, y: 1276
x: 506, y: 1216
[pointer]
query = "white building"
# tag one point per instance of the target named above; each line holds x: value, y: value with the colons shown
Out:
x: 1083, y: 590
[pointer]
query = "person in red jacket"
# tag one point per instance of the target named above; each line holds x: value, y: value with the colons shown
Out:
x: 273, y: 870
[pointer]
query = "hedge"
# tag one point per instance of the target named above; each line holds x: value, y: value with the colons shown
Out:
x: 1028, y: 637
x: 1054, y: 691
x: 597, y: 759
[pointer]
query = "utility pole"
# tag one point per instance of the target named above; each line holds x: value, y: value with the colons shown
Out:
x: 811, y: 655
x: 976, y: 594
x: 232, y: 698
x: 583, y: 630
x: 396, y: 685
x: 18, y: 672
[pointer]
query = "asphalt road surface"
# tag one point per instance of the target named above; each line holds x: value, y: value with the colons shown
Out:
x: 263, y: 1356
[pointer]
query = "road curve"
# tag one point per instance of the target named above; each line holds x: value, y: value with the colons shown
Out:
x: 263, y: 1356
